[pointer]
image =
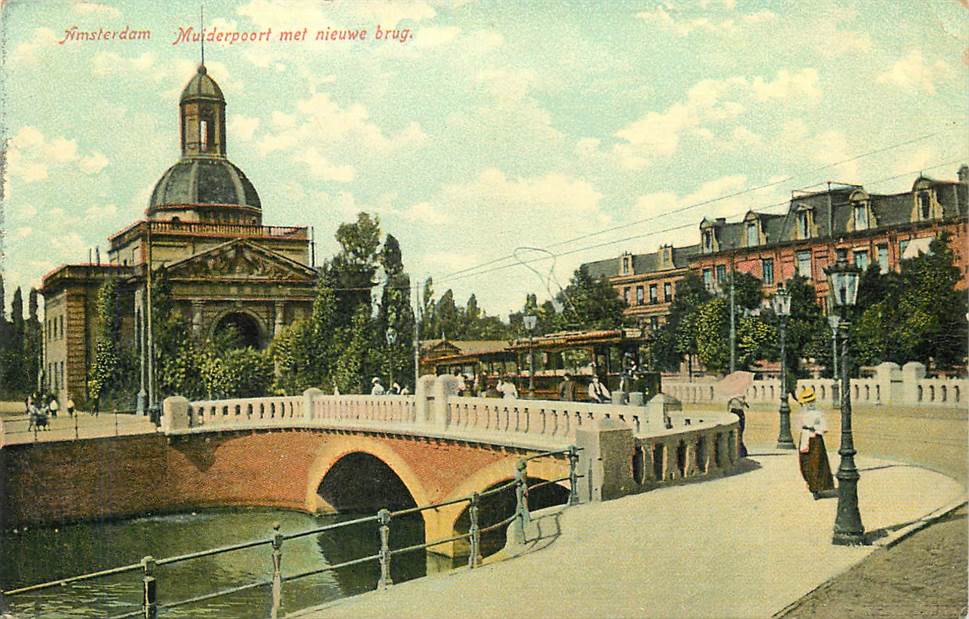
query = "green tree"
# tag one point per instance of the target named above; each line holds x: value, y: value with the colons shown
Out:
x: 677, y: 337
x: 177, y: 355
x: 350, y: 373
x: 916, y: 316
x: 353, y: 269
x: 590, y: 303
x: 105, y: 372
x: 395, y: 314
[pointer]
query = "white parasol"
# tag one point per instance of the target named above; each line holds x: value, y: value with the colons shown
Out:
x: 734, y: 384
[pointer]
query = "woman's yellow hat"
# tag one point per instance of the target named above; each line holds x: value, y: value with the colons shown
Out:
x: 806, y: 396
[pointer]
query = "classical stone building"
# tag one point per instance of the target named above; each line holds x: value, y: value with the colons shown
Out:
x: 843, y: 221
x: 202, y: 229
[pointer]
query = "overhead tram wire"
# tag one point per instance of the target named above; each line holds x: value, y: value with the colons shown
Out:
x: 711, y: 200
x: 678, y: 227
x: 455, y: 276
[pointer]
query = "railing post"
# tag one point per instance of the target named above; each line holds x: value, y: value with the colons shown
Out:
x: 521, y: 500
x: 75, y: 425
x: 277, y: 542
x: 149, y: 602
x: 383, y: 517
x: 573, y: 475
x: 475, y: 532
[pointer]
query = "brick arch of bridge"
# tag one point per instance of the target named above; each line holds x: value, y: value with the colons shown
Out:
x: 432, y: 471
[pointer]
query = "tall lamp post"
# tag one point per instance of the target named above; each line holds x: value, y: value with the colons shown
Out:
x: 848, y: 530
x: 782, y: 307
x: 530, y: 322
x: 391, y: 340
x: 833, y: 321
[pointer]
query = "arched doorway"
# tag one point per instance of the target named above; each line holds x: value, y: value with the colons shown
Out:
x: 240, y: 330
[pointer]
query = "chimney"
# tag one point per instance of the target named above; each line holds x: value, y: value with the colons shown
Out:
x: 97, y: 255
x: 964, y: 173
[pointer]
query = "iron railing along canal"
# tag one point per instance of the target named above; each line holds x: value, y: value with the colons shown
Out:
x: 150, y: 606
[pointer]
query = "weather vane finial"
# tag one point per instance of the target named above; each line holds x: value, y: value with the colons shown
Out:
x: 202, y: 30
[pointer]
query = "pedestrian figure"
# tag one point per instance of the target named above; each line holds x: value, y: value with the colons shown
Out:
x: 395, y: 389
x: 70, y: 406
x: 376, y: 388
x: 736, y: 405
x: 811, y: 453
x: 53, y: 406
x: 598, y: 392
x: 492, y: 390
x: 508, y: 390
x: 567, y: 389
x: 405, y: 390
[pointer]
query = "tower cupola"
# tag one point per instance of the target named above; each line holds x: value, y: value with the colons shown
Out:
x: 203, y: 117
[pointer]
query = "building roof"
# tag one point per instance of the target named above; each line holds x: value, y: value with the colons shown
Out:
x: 201, y: 86
x: 642, y: 263
x: 204, y: 180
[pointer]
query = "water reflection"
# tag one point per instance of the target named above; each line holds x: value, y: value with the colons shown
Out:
x: 39, y: 555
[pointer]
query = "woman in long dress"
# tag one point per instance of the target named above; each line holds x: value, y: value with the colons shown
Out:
x: 812, y: 455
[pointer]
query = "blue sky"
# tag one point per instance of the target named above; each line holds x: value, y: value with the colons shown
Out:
x: 498, y: 125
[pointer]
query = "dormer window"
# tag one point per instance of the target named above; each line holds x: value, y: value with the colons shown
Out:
x: 803, y: 225
x: 860, y: 216
x: 753, y: 236
x: 708, y: 240
x: 627, y: 264
x: 925, y: 205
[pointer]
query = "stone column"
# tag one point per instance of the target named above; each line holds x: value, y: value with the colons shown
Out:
x: 605, y: 460
x: 197, y: 318
x: 175, y: 414
x: 889, y: 381
x: 279, y: 312
x: 912, y: 373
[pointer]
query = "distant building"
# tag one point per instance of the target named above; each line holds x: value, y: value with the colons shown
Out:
x: 843, y: 221
x: 203, y: 226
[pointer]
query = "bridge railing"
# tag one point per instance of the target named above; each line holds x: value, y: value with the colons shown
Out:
x: 148, y: 566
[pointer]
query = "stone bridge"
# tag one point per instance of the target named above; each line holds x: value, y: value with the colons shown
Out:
x: 319, y: 452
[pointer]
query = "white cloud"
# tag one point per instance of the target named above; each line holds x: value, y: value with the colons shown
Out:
x: 669, y: 18
x: 323, y: 168
x: 426, y: 213
x: 96, y: 8
x: 242, y: 127
x: 34, y: 49
x: 22, y: 233
x: 801, y: 84
x: 32, y: 155
x: 101, y: 212
x: 709, y: 102
x: 823, y: 148
x: 912, y: 73
x: 433, y: 36
x: 93, y: 163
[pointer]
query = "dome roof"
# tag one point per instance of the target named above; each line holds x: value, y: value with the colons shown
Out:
x: 201, y: 86
x: 204, y: 181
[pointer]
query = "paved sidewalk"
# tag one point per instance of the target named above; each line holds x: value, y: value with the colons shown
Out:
x: 14, y: 429
x: 741, y: 546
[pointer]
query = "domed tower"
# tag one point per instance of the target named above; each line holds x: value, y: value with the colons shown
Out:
x: 204, y: 186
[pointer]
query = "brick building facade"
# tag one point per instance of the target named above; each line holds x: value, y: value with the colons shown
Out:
x: 817, y: 229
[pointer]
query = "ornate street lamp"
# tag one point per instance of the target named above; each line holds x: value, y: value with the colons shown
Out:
x: 848, y: 530
x: 391, y: 340
x: 530, y: 322
x: 833, y: 321
x: 782, y: 307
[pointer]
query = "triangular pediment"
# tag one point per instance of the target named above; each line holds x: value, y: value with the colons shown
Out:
x: 240, y: 259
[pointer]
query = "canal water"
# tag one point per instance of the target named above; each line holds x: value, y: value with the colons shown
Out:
x: 40, y: 555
